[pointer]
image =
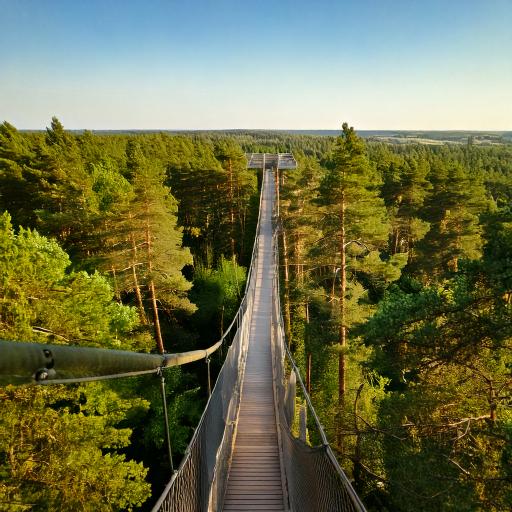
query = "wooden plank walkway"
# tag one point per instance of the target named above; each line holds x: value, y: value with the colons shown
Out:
x: 255, y: 477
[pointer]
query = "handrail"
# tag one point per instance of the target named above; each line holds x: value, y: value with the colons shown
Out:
x: 37, y: 363
x: 319, y: 426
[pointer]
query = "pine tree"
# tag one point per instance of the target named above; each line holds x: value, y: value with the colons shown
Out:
x: 452, y: 210
x: 404, y: 190
x: 68, y: 203
x: 146, y: 245
x: 299, y: 230
x: 196, y: 179
x: 18, y: 180
x: 353, y: 214
x: 238, y: 186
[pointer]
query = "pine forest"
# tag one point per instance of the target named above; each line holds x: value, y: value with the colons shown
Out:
x: 396, y: 283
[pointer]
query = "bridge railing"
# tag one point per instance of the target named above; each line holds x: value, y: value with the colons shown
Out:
x: 315, y: 480
x: 199, y: 482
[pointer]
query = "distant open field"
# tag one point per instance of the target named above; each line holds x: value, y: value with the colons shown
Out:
x: 434, y: 138
x: 423, y: 137
x: 391, y: 136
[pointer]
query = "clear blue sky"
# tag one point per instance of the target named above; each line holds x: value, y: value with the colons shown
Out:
x: 191, y: 64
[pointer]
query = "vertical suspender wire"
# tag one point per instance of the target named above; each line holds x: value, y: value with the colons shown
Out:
x: 209, y: 377
x: 166, y: 419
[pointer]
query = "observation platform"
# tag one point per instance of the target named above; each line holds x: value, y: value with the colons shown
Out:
x: 270, y: 161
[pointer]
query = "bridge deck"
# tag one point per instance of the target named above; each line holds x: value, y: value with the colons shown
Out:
x: 254, y: 481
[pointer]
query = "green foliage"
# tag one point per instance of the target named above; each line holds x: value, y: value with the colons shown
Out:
x: 18, y: 181
x: 39, y: 297
x: 352, y: 207
x: 452, y: 210
x: 217, y: 293
x: 65, y: 195
x: 184, y: 408
x: 237, y: 186
x: 111, y: 187
x: 67, y: 458
x: 214, y: 190
x: 426, y: 420
x: 447, y: 351
x: 351, y: 181
x: 405, y: 187
x: 152, y: 225
x: 101, y: 203
x: 61, y: 458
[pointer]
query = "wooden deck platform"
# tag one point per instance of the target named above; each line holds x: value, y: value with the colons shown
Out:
x: 255, y: 479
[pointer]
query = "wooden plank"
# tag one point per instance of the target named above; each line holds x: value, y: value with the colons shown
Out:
x: 254, y: 489
x: 253, y: 506
x: 255, y: 499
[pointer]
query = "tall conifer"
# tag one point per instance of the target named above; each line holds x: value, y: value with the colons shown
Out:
x: 353, y: 214
x: 146, y: 254
x: 452, y: 209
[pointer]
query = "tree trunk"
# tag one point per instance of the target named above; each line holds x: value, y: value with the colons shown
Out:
x: 277, y: 190
x: 309, y: 362
x: 410, y: 250
x: 287, y: 314
x: 343, y: 330
x: 358, y: 451
x: 156, y: 319
x: 492, y: 403
x: 243, y: 218
x: 298, y: 258
x: 158, y: 332
x: 231, y: 209
x: 136, y: 286
x: 453, y: 264
x: 117, y: 294
x: 396, y: 238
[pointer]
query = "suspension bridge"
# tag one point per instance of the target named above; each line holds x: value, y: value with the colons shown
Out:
x: 252, y: 448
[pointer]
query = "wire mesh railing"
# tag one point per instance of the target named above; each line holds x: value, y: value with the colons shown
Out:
x: 199, y: 483
x: 315, y: 480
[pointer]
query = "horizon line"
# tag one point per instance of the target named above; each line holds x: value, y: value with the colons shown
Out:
x: 454, y: 130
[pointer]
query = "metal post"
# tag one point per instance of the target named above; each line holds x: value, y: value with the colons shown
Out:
x: 262, y: 181
x: 209, y: 379
x: 336, y: 270
x: 166, y: 418
x: 303, y: 423
x: 277, y: 191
